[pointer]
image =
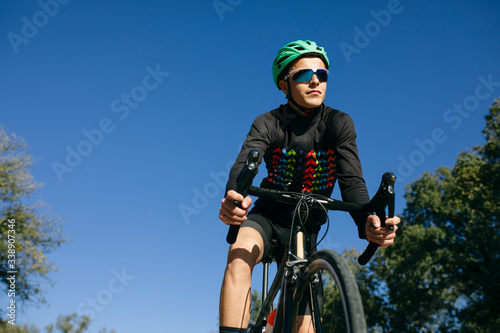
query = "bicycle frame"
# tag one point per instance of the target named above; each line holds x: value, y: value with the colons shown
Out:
x: 287, y: 277
x: 269, y: 295
x: 284, y: 280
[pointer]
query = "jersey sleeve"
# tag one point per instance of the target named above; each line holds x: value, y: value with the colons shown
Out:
x: 348, y: 165
x: 259, y: 137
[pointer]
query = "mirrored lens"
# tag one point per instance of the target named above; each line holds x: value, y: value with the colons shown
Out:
x: 322, y: 75
x: 305, y: 75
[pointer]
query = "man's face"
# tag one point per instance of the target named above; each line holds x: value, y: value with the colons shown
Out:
x: 307, y: 94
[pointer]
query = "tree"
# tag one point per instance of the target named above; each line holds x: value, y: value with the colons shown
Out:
x: 71, y: 323
x: 370, y: 290
x: 256, y: 301
x: 442, y: 273
x: 27, y: 231
x: 8, y: 328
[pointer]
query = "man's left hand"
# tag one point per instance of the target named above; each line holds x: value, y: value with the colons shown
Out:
x: 383, y: 236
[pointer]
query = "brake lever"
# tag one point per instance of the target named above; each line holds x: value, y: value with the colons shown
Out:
x: 244, y: 181
x: 384, y: 197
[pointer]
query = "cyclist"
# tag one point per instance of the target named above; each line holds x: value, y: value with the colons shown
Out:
x: 307, y: 147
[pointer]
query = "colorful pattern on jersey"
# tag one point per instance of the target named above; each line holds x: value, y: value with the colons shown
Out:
x: 312, y: 171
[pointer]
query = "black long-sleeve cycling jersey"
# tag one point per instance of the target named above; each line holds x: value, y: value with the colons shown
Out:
x: 305, y: 154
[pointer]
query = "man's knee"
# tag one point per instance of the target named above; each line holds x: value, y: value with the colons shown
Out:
x: 243, y: 254
x: 247, y: 250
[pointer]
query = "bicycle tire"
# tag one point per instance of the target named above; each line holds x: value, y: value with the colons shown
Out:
x: 328, y: 262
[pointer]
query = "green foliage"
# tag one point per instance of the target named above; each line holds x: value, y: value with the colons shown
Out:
x: 8, y: 328
x: 370, y: 288
x: 71, y: 323
x: 36, y: 231
x: 256, y: 300
x: 333, y: 315
x: 442, y: 273
x: 104, y: 330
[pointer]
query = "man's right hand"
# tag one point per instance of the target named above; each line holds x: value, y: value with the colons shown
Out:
x: 230, y: 213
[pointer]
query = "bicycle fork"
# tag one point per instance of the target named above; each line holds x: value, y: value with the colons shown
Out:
x: 315, y: 304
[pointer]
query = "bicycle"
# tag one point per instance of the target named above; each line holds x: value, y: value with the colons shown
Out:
x: 300, y: 275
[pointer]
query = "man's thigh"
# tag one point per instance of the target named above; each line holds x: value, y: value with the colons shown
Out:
x: 249, y: 246
x: 257, y: 229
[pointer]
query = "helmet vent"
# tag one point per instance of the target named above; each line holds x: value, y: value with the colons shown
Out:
x: 279, y: 62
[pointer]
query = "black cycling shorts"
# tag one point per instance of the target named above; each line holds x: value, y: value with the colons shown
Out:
x: 270, y: 231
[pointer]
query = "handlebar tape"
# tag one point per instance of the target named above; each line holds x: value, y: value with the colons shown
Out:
x: 384, y: 197
x: 244, y: 181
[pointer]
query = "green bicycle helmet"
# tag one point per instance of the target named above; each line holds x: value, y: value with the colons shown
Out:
x: 293, y: 51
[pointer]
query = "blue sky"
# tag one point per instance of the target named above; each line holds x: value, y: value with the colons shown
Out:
x: 134, y: 111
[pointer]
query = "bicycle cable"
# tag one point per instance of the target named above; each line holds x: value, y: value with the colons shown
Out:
x: 303, y: 215
x: 298, y: 212
x: 316, y: 198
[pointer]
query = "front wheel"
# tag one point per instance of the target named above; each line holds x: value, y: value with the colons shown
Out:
x: 327, y: 279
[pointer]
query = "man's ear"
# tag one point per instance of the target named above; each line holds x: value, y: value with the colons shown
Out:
x: 284, y: 86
